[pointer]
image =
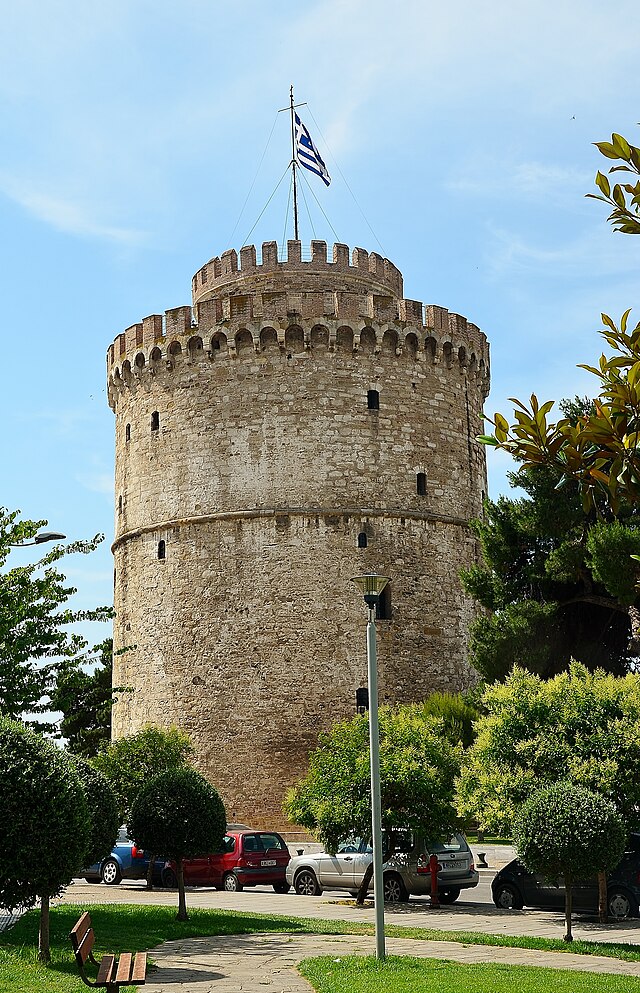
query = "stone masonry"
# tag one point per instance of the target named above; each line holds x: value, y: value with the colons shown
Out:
x: 302, y: 424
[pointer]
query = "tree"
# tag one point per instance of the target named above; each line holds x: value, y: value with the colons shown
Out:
x: 102, y: 806
x: 625, y: 197
x: 457, y: 711
x: 130, y: 761
x: 180, y: 814
x: 35, y: 620
x: 579, y: 727
x: 418, y: 767
x: 44, y: 822
x: 86, y: 699
x: 566, y: 830
x: 553, y: 579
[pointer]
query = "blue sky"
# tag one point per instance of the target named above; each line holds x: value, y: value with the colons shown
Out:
x: 132, y: 132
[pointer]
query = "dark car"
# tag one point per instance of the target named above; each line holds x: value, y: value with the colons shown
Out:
x: 126, y: 861
x: 515, y: 887
x: 250, y: 858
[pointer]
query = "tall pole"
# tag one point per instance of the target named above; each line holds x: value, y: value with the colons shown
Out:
x: 293, y: 166
x: 374, y: 760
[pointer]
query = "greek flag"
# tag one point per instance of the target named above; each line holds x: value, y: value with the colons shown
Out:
x: 308, y: 154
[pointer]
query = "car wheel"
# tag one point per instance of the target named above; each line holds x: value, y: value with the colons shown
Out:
x: 306, y: 883
x: 110, y: 872
x: 450, y: 895
x: 621, y: 905
x: 507, y: 897
x: 281, y: 887
x: 394, y: 889
x: 169, y: 879
x: 231, y: 883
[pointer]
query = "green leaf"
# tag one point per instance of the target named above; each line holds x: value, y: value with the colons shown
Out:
x: 603, y: 183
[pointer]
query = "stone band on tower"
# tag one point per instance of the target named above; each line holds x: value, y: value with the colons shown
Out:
x: 308, y: 425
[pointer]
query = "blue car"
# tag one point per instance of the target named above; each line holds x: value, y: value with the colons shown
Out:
x: 126, y: 861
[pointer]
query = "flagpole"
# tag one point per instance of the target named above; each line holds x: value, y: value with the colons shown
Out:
x: 293, y: 166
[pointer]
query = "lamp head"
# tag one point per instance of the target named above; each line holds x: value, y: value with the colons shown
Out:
x: 371, y: 586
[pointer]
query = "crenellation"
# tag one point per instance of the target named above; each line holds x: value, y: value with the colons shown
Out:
x: 248, y: 258
x: 152, y: 329
x: 177, y: 321
x: 269, y: 255
x: 319, y: 252
x: 229, y: 262
x: 436, y: 318
x: 341, y: 256
x: 411, y: 311
x: 294, y: 252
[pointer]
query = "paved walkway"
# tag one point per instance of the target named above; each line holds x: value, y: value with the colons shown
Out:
x: 266, y: 963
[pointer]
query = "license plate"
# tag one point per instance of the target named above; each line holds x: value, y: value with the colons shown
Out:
x: 459, y: 864
x: 268, y: 862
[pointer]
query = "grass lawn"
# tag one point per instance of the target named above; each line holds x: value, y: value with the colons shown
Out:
x: 353, y: 974
x: 135, y: 928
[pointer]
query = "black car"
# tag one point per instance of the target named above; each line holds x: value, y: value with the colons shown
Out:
x: 514, y: 887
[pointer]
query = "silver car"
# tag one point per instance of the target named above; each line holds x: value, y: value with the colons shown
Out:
x: 405, y: 872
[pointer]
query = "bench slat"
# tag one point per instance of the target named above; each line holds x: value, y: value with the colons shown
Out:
x: 105, y: 970
x: 82, y: 939
x: 123, y: 972
x: 139, y: 972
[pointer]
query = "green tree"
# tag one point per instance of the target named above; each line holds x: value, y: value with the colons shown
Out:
x: 457, y: 711
x: 567, y: 830
x: 102, y: 806
x: 554, y: 581
x: 44, y: 822
x: 35, y: 619
x: 418, y: 767
x: 181, y: 815
x: 623, y: 197
x: 130, y: 762
x: 86, y: 699
x: 580, y: 727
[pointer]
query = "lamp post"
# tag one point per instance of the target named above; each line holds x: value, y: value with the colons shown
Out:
x: 39, y: 539
x: 371, y: 586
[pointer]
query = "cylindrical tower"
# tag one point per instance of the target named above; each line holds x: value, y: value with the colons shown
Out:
x: 304, y: 423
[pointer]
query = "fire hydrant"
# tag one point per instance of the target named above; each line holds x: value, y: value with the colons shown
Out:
x: 433, y: 869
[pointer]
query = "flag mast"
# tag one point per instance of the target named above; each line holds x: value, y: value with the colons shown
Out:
x: 293, y: 166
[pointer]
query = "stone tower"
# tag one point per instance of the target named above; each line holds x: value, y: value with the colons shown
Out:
x: 302, y: 424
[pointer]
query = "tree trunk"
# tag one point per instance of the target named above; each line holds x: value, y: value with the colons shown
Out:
x: 568, y: 902
x: 182, y: 902
x: 44, y: 954
x: 364, y: 886
x: 634, y: 618
x: 152, y: 862
x: 603, y: 914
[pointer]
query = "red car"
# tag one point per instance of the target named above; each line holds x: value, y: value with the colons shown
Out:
x: 250, y: 858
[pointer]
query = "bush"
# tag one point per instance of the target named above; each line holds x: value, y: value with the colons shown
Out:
x: 567, y: 830
x: 179, y: 814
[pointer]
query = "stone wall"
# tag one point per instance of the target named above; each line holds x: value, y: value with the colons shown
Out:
x: 248, y: 455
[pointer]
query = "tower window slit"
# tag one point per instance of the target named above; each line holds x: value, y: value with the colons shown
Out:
x: 362, y: 539
x: 373, y: 400
x: 162, y: 550
x: 127, y: 433
x: 155, y: 421
x: 421, y: 484
x: 383, y: 606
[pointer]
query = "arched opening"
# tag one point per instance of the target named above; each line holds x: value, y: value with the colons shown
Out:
x: 162, y: 549
x: 362, y: 539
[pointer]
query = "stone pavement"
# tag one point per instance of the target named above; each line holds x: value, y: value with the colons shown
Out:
x: 266, y: 963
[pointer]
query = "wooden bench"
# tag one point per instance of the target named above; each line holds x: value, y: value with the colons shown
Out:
x: 128, y: 970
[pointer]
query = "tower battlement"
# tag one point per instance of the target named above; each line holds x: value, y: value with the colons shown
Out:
x: 336, y: 306
x: 230, y: 270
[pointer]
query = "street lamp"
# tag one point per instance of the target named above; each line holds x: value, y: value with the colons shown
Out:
x: 39, y: 539
x: 371, y: 586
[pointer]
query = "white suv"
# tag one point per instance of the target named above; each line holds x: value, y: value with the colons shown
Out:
x: 405, y: 872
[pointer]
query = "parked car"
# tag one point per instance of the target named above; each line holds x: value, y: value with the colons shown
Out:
x: 405, y: 872
x: 514, y: 887
x: 126, y: 861
x: 250, y: 858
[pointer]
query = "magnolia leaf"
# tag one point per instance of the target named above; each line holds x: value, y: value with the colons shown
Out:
x: 603, y: 184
